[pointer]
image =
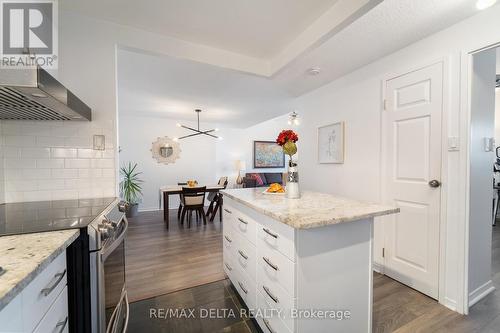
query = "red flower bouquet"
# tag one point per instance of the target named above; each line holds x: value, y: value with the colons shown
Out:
x: 287, y: 139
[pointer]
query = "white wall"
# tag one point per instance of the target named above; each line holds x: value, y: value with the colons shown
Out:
x: 357, y: 100
x: 238, y: 145
x: 497, y: 117
x: 481, y: 190
x: 197, y: 158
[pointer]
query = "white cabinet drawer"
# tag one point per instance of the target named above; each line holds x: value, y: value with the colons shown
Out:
x: 272, y: 322
x: 43, y: 291
x: 275, y: 268
x: 246, y: 288
x: 56, y: 319
x: 245, y: 226
x: 228, y: 239
x: 245, y: 257
x: 227, y: 262
x: 228, y: 215
x: 277, y: 298
x: 277, y: 236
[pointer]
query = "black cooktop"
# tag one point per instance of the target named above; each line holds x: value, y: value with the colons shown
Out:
x: 40, y: 216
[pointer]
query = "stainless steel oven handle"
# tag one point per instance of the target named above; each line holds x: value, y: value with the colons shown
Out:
x: 107, y: 251
x: 47, y: 290
x: 125, y: 326
x: 116, y: 315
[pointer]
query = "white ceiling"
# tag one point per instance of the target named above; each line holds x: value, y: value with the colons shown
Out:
x: 388, y: 27
x: 161, y: 86
x: 258, y: 28
x: 171, y: 87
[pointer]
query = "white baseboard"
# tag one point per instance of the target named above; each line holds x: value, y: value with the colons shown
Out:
x: 377, y: 267
x: 450, y: 304
x: 152, y: 209
x: 481, y: 292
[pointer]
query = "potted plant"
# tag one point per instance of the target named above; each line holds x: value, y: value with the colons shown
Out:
x: 130, y: 188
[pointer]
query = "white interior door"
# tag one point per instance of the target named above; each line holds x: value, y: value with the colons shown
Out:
x: 412, y: 156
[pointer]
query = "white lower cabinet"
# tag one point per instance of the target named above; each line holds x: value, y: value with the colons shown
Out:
x: 286, y: 274
x: 56, y: 319
x: 42, y: 306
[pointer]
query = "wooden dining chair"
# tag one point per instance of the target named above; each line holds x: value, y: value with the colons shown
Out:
x: 214, y: 199
x: 179, y: 211
x: 193, y: 200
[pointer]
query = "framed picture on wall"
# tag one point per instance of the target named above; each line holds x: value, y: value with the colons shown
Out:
x: 331, y: 143
x: 268, y: 154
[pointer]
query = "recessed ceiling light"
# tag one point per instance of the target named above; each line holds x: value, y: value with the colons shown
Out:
x: 314, y: 71
x: 483, y: 4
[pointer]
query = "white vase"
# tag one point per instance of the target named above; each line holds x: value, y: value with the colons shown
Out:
x: 292, y: 185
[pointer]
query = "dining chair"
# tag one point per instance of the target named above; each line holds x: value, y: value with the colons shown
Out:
x: 193, y: 200
x: 179, y: 211
x: 214, y: 198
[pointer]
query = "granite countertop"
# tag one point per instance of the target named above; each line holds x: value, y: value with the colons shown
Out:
x: 312, y: 210
x: 23, y: 257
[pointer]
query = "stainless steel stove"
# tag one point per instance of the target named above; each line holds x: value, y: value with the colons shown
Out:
x: 97, y: 293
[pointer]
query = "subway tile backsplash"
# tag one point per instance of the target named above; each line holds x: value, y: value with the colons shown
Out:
x: 55, y: 160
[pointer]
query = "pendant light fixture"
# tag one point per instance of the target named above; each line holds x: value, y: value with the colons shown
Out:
x: 197, y: 131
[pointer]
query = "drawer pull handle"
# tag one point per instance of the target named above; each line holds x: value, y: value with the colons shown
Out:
x: 228, y: 267
x: 266, y: 322
x: 228, y: 239
x: 273, y: 266
x: 268, y: 292
x: 243, y: 287
x: 242, y: 221
x: 47, y: 290
x: 62, y: 324
x: 243, y: 254
x: 267, y: 231
x: 228, y: 211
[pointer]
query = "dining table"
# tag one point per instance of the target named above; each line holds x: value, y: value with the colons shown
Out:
x: 166, y: 191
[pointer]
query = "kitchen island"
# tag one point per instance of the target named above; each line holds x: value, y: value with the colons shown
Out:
x: 302, y: 265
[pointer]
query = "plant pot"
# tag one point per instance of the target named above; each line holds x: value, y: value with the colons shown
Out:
x: 132, y: 210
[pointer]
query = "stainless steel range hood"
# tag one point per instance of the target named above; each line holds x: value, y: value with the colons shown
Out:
x: 33, y: 94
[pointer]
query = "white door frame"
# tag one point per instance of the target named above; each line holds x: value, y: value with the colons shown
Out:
x: 466, y: 62
x: 444, y: 163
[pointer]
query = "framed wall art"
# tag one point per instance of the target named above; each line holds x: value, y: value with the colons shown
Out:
x: 331, y: 143
x: 268, y: 154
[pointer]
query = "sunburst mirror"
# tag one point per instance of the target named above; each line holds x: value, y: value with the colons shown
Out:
x: 165, y: 150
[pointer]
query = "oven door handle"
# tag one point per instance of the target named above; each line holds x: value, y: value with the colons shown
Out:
x: 108, y: 250
x: 113, y: 321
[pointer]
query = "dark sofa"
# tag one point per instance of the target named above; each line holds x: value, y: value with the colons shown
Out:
x: 251, y: 179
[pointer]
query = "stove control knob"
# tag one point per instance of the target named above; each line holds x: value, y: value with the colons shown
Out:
x: 104, y: 231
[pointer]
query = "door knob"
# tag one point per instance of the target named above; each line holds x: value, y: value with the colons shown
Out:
x: 434, y: 183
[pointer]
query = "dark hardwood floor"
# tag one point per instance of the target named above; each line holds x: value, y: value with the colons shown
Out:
x: 396, y: 308
x: 161, y: 261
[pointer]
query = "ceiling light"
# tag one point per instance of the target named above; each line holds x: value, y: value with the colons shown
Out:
x: 197, y: 131
x: 314, y: 71
x: 293, y: 119
x: 483, y: 4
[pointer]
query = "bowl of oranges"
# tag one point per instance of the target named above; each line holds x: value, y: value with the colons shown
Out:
x: 275, y: 188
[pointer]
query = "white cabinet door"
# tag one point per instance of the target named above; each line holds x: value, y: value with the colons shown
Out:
x: 412, y: 161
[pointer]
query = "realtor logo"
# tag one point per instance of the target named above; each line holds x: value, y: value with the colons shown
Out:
x: 28, y: 33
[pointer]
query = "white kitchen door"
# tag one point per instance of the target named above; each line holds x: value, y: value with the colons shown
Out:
x: 411, y: 123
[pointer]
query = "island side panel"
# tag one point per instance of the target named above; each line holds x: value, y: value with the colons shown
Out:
x: 334, y: 272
